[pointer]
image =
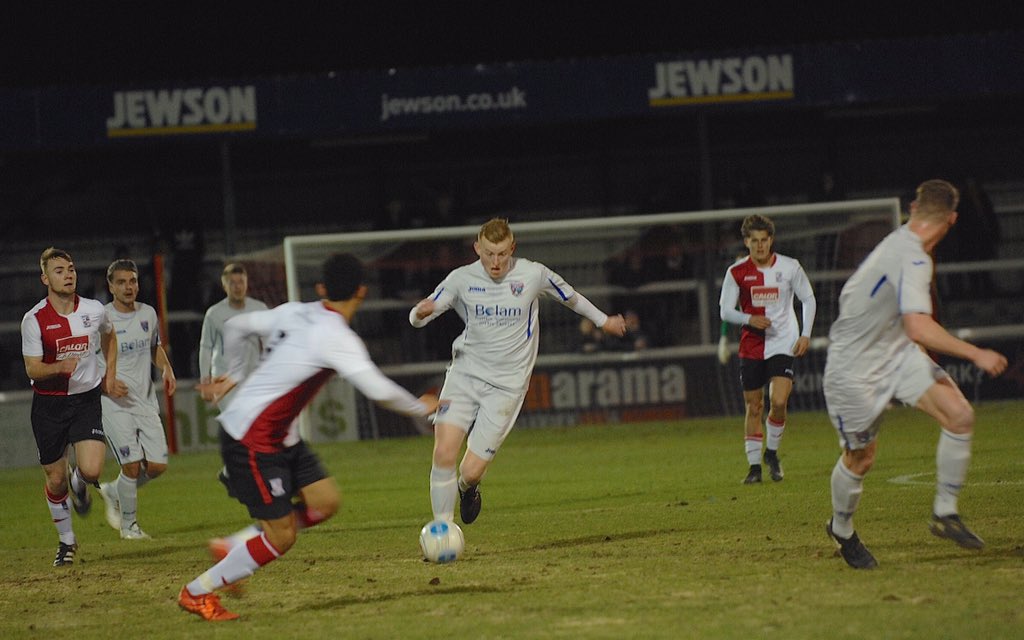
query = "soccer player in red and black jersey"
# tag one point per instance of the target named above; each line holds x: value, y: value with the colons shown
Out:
x: 61, y: 342
x: 270, y: 469
x: 763, y: 285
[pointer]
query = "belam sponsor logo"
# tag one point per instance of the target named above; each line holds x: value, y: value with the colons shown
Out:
x: 72, y: 347
x: 182, y: 111
x: 717, y: 80
x: 497, y: 311
x: 764, y: 296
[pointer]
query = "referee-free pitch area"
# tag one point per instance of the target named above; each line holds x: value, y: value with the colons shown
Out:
x: 610, y: 531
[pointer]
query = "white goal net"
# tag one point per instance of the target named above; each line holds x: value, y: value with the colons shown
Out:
x: 666, y: 269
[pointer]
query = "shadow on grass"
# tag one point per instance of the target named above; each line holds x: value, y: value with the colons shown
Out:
x: 600, y: 539
x: 337, y: 603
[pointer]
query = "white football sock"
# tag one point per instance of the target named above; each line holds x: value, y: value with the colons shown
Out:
x: 127, y: 496
x: 951, y: 460
x: 846, y: 489
x: 241, y: 562
x: 752, y: 445
x: 443, y: 493
x: 774, y: 433
x: 60, y: 511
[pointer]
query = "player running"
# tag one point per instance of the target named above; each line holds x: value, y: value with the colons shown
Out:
x: 877, y: 353
x: 268, y: 464
x: 61, y: 339
x: 497, y: 298
x: 132, y: 422
x: 763, y: 284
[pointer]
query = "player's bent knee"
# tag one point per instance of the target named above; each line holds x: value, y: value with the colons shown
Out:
x: 962, y: 420
x: 155, y: 469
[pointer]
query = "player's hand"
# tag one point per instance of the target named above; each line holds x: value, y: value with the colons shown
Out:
x: 615, y: 326
x: 215, y: 390
x: 760, y: 322
x: 170, y: 382
x: 991, y: 362
x: 430, y: 400
x: 424, y: 308
x: 801, y: 346
x: 116, y: 388
x: 66, y: 366
x: 723, y: 350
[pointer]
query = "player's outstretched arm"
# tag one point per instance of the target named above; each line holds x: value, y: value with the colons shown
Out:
x: 922, y: 329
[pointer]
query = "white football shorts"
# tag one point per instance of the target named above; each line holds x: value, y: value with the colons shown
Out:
x: 484, y: 411
x: 855, y: 405
x: 135, y: 437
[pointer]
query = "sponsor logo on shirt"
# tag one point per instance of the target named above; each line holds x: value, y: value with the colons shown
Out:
x: 764, y: 296
x: 516, y: 287
x: 497, y: 311
x: 72, y: 347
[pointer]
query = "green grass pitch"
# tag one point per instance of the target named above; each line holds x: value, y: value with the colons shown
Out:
x: 618, y: 531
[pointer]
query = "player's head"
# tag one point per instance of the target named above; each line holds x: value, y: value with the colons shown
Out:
x: 123, y: 281
x: 58, y: 271
x: 495, y: 244
x: 758, y: 236
x: 343, y: 278
x: 935, y: 200
x: 235, y: 281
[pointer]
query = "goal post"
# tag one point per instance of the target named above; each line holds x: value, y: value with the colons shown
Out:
x: 666, y: 269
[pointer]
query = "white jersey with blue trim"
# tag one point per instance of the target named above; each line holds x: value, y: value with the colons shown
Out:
x: 138, y: 332
x: 499, y: 344
x: 895, y: 279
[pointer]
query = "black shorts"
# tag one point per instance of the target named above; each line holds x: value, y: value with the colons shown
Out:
x: 754, y: 374
x: 58, y: 421
x: 266, y: 482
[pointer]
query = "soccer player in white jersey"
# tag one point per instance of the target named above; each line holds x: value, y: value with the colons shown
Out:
x: 268, y: 463
x: 61, y: 339
x: 213, y: 360
x: 877, y: 353
x: 763, y: 285
x: 132, y: 422
x: 497, y: 297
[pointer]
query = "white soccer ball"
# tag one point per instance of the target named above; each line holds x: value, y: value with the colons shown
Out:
x: 441, y: 541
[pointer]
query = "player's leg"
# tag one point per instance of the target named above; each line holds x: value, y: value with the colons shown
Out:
x: 495, y: 419
x: 855, y: 411
x: 780, y: 373
x: 265, y: 484
x: 753, y: 379
x: 945, y: 402
x: 51, y: 438
x: 318, y: 492
x: 448, y: 439
x: 85, y: 433
x: 120, y: 496
x: 456, y: 411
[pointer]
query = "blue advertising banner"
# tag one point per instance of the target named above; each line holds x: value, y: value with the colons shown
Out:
x: 500, y: 95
